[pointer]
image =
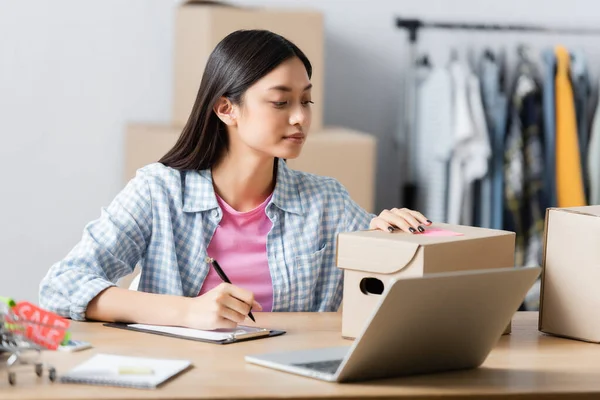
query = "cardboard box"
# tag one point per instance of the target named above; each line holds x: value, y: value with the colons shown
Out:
x: 370, y: 259
x: 200, y: 26
x: 344, y: 154
x: 569, y: 297
x: 347, y: 155
x: 146, y: 144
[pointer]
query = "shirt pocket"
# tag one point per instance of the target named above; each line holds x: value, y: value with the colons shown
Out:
x: 307, y: 268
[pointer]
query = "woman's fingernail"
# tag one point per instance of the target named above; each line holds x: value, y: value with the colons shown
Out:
x: 390, y: 229
x: 421, y: 229
x: 412, y: 230
x: 429, y: 222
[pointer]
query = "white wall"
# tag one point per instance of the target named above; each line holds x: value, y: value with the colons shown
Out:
x: 73, y: 72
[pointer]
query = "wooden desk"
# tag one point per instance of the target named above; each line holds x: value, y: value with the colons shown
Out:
x: 525, y: 364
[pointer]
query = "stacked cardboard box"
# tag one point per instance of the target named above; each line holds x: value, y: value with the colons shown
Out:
x: 201, y: 25
x: 344, y: 154
x: 347, y: 155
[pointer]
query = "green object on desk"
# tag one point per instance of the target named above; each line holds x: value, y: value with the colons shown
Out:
x: 66, y: 339
x: 8, y: 301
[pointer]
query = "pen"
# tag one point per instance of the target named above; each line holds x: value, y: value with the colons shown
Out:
x: 224, y: 278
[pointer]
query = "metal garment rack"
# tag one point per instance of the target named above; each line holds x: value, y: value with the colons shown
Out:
x: 412, y: 26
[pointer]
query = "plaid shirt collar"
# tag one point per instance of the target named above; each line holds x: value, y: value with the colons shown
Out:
x: 199, y: 194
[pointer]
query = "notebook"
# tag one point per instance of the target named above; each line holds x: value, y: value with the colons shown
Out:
x: 218, y: 336
x: 125, y: 371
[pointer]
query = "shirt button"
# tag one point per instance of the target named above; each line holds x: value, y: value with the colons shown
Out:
x: 215, y: 213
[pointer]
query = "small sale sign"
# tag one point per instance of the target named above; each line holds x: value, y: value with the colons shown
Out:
x: 40, y: 326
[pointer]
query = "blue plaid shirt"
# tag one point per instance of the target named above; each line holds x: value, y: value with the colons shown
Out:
x: 164, y: 219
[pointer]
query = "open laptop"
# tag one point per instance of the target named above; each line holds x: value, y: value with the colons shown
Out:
x: 439, y: 322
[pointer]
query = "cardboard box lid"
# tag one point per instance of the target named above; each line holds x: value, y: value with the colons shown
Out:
x: 389, y: 253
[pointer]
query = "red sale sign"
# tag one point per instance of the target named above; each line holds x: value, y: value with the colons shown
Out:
x: 40, y: 326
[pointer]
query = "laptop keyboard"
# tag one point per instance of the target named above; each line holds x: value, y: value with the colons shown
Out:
x: 329, y: 366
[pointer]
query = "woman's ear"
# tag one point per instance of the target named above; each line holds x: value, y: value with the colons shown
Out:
x: 226, y: 111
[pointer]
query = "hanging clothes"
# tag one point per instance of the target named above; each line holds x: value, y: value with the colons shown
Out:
x: 488, y: 95
x: 461, y: 131
x: 434, y: 92
x: 524, y: 163
x: 592, y: 106
x: 495, y: 105
x: 470, y: 149
x: 581, y: 92
x: 549, y: 102
x: 477, y: 167
x: 532, y: 118
x: 569, y: 180
x: 593, y: 159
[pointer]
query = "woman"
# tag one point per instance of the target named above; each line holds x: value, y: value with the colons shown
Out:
x: 224, y: 191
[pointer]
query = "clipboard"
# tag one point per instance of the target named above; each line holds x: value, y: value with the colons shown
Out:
x: 218, y: 336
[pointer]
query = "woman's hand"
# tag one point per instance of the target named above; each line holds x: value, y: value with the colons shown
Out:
x: 408, y: 220
x: 225, y: 306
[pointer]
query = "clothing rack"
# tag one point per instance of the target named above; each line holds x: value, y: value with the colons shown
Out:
x: 413, y: 25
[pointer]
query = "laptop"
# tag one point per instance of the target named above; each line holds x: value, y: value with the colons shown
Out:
x: 435, y: 323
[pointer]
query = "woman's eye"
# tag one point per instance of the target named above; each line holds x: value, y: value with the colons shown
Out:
x: 282, y: 104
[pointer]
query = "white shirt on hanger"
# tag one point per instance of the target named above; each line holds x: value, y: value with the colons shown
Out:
x: 433, y: 141
x: 479, y: 147
x: 471, y: 147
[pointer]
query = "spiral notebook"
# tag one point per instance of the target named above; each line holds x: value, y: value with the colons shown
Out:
x: 218, y: 336
x: 125, y: 371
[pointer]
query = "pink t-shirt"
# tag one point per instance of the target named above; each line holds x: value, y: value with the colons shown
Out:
x: 240, y: 246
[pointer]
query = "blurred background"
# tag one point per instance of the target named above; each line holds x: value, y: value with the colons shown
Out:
x: 92, y: 90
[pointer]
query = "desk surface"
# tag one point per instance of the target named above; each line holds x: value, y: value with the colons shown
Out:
x: 523, y: 364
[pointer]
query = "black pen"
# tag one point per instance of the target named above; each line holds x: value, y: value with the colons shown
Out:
x: 224, y: 278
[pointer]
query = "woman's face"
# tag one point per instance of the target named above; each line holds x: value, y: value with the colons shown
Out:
x: 275, y: 114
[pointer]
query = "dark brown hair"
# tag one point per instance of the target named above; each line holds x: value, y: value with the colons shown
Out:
x: 236, y: 63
